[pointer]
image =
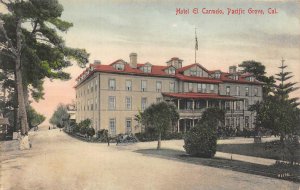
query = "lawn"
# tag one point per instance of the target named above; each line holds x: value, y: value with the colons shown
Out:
x: 263, y: 150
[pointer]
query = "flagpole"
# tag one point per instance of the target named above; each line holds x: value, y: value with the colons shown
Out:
x: 196, y: 45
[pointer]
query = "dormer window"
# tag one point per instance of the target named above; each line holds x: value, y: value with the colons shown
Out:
x: 236, y: 77
x: 119, y: 66
x: 251, y: 79
x: 171, y: 70
x: 217, y: 75
x: 147, y: 69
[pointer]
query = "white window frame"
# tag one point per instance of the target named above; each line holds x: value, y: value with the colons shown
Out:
x: 111, y: 102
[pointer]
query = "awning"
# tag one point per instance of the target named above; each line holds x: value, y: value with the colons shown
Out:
x: 200, y: 96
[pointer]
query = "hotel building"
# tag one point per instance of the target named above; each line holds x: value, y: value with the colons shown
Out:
x: 111, y: 95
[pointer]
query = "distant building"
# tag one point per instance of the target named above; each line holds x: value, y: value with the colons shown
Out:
x: 111, y: 95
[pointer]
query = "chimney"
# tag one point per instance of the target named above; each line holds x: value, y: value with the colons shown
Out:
x: 97, y: 62
x: 232, y: 69
x: 133, y: 60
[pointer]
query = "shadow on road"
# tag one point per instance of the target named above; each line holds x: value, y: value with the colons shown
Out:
x: 292, y: 174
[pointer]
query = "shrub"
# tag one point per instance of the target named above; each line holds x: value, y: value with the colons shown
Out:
x: 201, y: 140
x: 90, y: 131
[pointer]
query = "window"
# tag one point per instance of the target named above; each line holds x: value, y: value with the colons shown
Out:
x: 238, y: 121
x: 158, y: 86
x: 92, y: 87
x: 235, y: 77
x: 147, y: 69
x: 96, y: 84
x: 246, y: 121
x: 158, y: 99
x: 144, y: 103
x: 88, y: 105
x: 238, y: 105
x: 112, y: 84
x: 232, y: 122
x: 128, y: 125
x: 199, y: 87
x: 143, y: 85
x: 204, y: 88
x: 128, y: 103
x: 237, y: 90
x: 128, y: 85
x: 172, y: 87
x: 171, y: 71
x: 217, y: 75
x: 190, y: 87
x: 112, y: 126
x: 212, y: 88
x: 96, y: 103
x: 193, y: 73
x: 189, y: 105
x: 246, y: 91
x: 111, y: 102
x: 227, y: 90
x: 227, y: 105
x: 246, y: 104
x: 92, y: 105
x: 255, y: 91
x: 227, y: 122
x: 119, y: 66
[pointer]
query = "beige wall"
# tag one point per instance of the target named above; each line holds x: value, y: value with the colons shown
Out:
x: 99, y: 97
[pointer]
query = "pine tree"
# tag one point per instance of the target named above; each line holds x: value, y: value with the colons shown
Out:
x: 284, y: 88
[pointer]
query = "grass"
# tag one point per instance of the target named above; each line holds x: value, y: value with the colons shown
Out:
x: 262, y: 150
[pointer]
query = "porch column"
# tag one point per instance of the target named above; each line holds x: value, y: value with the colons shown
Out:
x: 185, y: 125
x: 220, y: 104
x: 178, y: 103
x: 178, y: 123
x: 193, y: 122
x: 206, y: 103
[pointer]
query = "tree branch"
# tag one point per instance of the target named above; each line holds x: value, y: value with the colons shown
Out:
x: 13, y: 49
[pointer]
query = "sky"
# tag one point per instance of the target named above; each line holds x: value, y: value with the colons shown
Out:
x: 111, y: 30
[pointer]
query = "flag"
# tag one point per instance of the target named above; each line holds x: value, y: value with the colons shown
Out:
x: 196, y: 45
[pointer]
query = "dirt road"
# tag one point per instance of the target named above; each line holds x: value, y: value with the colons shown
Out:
x: 58, y: 161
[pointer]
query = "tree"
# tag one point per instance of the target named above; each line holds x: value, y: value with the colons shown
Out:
x: 161, y: 116
x: 258, y: 71
x: 279, y: 112
x: 214, y: 116
x: 34, y: 118
x: 60, y: 117
x: 85, y: 127
x: 35, y: 51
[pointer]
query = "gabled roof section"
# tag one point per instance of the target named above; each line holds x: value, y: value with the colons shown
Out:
x: 174, y: 58
x: 118, y: 61
x: 182, y: 69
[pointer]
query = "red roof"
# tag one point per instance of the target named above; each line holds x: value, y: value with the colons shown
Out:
x: 193, y: 95
x: 157, y: 70
x: 198, y: 79
x: 241, y: 79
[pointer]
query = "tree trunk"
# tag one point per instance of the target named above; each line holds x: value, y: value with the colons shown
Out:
x: 24, y: 141
x: 159, y: 141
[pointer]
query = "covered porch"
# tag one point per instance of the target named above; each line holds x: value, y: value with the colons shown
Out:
x: 191, y: 106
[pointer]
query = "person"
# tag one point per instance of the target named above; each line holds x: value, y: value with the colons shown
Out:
x: 107, y: 137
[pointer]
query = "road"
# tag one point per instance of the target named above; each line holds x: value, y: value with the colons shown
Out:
x: 58, y: 161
